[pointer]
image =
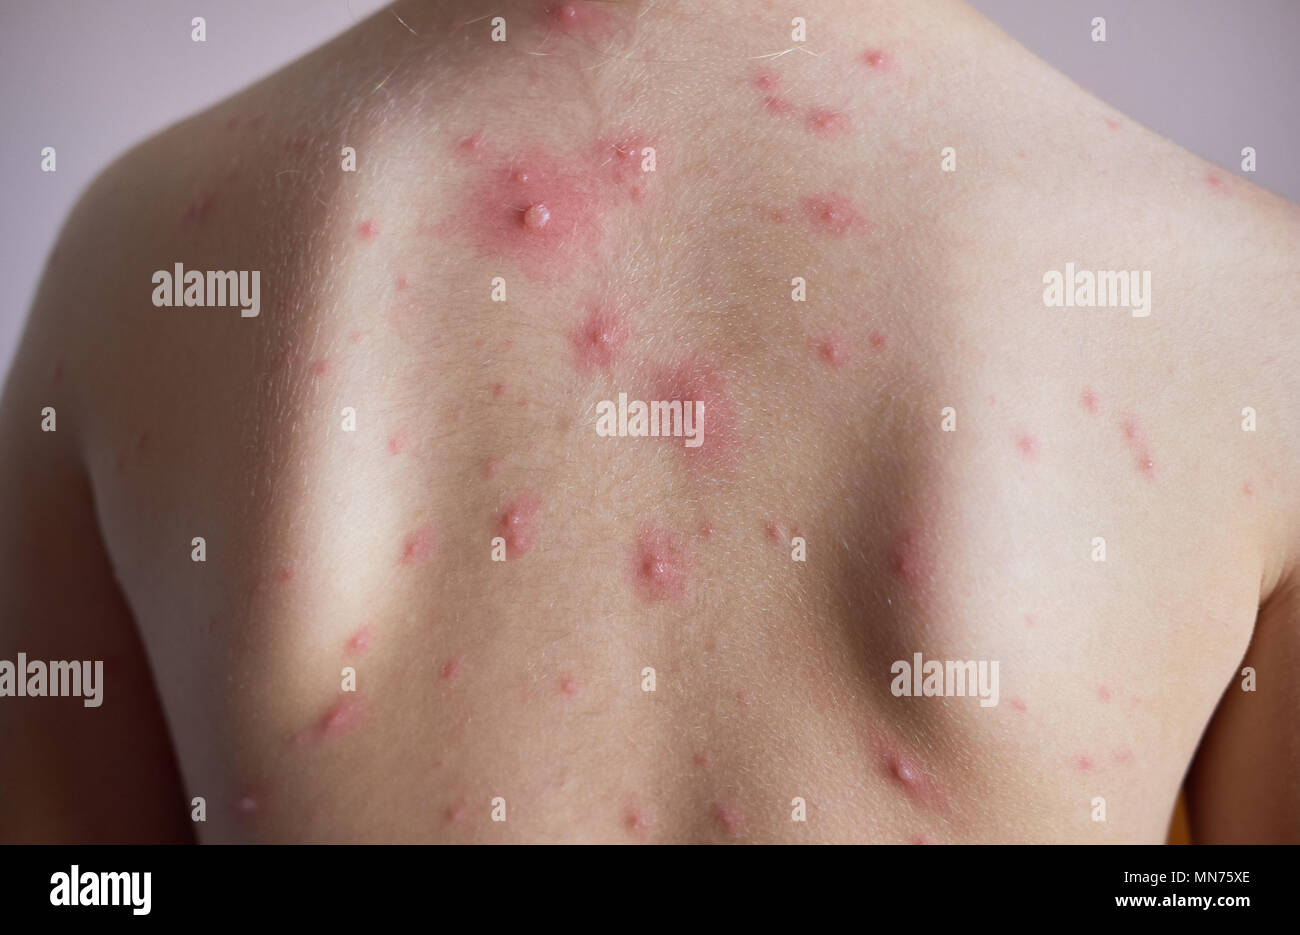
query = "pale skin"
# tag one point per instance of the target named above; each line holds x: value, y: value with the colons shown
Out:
x: 523, y: 680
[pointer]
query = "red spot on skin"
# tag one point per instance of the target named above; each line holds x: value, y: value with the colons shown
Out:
x: 471, y: 147
x: 1028, y: 446
x: 232, y: 122
x: 344, y: 714
x: 909, y: 775
x: 401, y: 283
x: 1123, y: 755
x: 577, y: 18
x: 498, y: 390
x: 1083, y: 763
x: 1137, y: 442
x: 356, y: 336
x: 777, y: 104
x: 832, y: 352
x: 296, y: 145
x: 877, y: 341
x: 826, y: 121
x: 767, y: 83
x: 698, y: 380
x: 876, y: 59
x: 1215, y: 182
x: 358, y: 642
x: 1029, y: 620
x: 743, y: 698
x: 1113, y: 124
x: 907, y: 558
x: 396, y: 442
x: 636, y: 819
x: 706, y: 530
x: 417, y: 546
x: 776, y: 532
x: 568, y: 685
x: 922, y: 839
x: 904, y: 771
x: 1018, y: 704
x: 198, y: 211
x: 450, y: 668
x: 456, y: 813
x: 320, y: 367
x: 248, y: 804
x: 621, y: 160
x: 490, y: 468
x: 833, y: 214
x: 1248, y: 489
x: 1103, y: 693
x: 1088, y: 400
x: 598, y: 339
x: 367, y: 230
x: 516, y: 525
x: 284, y: 575
x: 701, y: 760
x: 658, y: 566
x: 727, y: 818
x: 540, y: 211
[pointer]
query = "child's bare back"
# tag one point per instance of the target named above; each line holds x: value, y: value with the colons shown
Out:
x: 836, y: 252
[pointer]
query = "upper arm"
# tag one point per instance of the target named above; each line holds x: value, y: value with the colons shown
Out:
x: 1244, y: 786
x: 70, y: 773
x: 1244, y: 783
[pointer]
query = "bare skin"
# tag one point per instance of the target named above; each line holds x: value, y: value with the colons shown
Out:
x: 524, y: 679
